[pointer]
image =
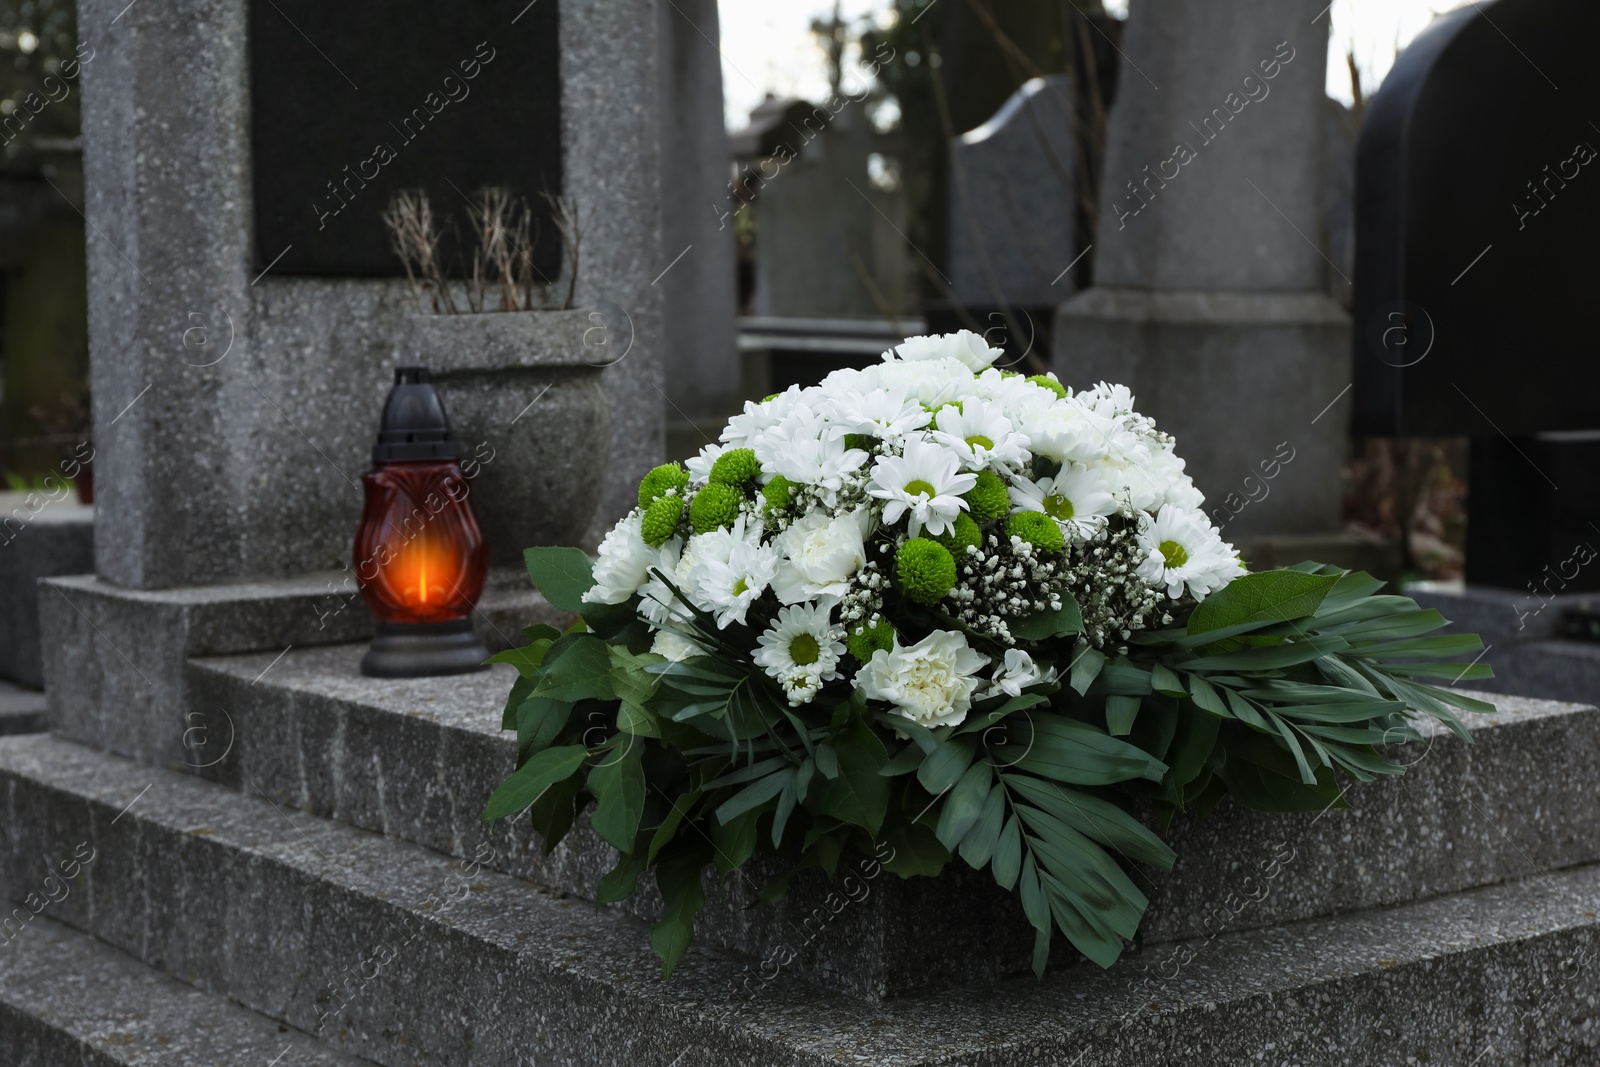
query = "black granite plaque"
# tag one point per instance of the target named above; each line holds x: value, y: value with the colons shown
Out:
x: 1478, y: 228
x: 351, y: 102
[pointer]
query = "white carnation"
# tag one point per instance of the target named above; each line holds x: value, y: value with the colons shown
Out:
x: 931, y: 682
x: 821, y: 554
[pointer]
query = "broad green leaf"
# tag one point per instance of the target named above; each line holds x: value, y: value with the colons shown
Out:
x: 1007, y: 859
x: 917, y: 851
x: 1269, y: 657
x: 1206, y: 699
x: 629, y: 679
x: 905, y: 761
x: 620, y: 882
x: 1266, y: 597
x: 539, y: 721
x: 618, y: 785
x: 964, y: 804
x: 979, y: 843
x: 681, y: 805
x: 1193, y: 745
x: 527, y: 659
x: 678, y: 879
x: 735, y: 841
x: 562, y: 575
x: 1096, y: 818
x: 860, y: 795
x: 1086, y: 664
x: 1064, y: 622
x: 944, y: 767
x: 753, y: 795
x: 1165, y: 682
x: 827, y: 762
x: 525, y: 784
x: 637, y: 721
x: 553, y: 811
x: 1120, y: 713
x: 582, y: 672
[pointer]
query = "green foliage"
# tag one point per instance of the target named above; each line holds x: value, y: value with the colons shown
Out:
x: 668, y: 476
x: 925, y: 570
x: 1274, y: 691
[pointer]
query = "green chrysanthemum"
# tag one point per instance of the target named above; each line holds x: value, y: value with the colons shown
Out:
x: 714, y: 507
x: 660, y: 520
x: 659, y: 480
x: 1038, y: 529
x: 1044, y: 381
x: 864, y: 640
x: 778, y: 493
x: 964, y: 533
x: 988, y: 500
x: 737, y: 466
x: 925, y: 569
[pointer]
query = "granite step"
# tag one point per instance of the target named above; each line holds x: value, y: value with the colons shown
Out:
x: 66, y: 998
x: 405, y: 959
x: 22, y: 711
x: 417, y: 759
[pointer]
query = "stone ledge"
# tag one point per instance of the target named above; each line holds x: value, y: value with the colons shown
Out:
x: 114, y: 657
x: 234, y: 896
x: 99, y: 1008
x: 417, y: 759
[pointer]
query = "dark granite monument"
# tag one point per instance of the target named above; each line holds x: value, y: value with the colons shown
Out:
x: 1478, y: 209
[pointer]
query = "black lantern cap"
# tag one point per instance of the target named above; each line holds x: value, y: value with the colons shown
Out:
x: 414, y: 427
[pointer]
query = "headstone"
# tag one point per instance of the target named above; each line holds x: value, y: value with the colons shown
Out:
x: 1012, y: 201
x: 1474, y: 283
x: 234, y: 404
x: 40, y: 536
x: 829, y: 241
x: 1211, y: 272
x: 699, y: 354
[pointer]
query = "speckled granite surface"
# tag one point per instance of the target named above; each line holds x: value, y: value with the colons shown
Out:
x: 300, y: 919
x: 418, y: 758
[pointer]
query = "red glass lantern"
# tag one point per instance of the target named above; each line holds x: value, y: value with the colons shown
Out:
x: 419, y: 554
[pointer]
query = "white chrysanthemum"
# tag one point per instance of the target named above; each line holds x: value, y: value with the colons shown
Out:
x: 699, y: 466
x: 1183, y: 551
x: 622, y: 564
x: 820, y: 554
x: 925, y: 482
x: 881, y: 413
x: 659, y: 605
x: 799, y: 450
x: 1077, y: 498
x: 931, y: 682
x: 732, y: 569
x: 1066, y: 432
x: 1155, y: 483
x: 755, y: 418
x: 970, y: 348
x: 1017, y: 673
x: 675, y: 646
x: 933, y: 382
x: 979, y: 432
x: 802, y: 649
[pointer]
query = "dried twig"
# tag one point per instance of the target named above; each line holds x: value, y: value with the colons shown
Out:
x: 415, y: 236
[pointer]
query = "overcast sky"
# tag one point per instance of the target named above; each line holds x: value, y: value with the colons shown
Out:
x: 767, y: 45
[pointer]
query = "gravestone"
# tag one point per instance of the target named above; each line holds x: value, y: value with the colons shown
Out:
x: 1474, y: 283
x: 699, y: 354
x: 1210, y: 276
x: 1012, y: 201
x: 234, y: 403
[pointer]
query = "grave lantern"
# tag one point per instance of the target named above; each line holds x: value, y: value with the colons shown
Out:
x: 419, y: 554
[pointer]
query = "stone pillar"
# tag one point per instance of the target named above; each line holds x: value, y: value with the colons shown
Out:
x: 234, y: 410
x: 700, y: 295
x: 1210, y: 272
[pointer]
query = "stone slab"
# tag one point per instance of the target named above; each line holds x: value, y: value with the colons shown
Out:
x: 114, y: 657
x: 417, y: 759
x: 38, y: 538
x: 1248, y: 383
x: 66, y: 998
x: 278, y: 910
x: 22, y: 711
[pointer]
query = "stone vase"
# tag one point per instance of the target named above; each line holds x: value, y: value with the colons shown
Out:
x: 523, y: 394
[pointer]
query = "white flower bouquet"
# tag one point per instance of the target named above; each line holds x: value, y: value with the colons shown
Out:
x: 941, y: 606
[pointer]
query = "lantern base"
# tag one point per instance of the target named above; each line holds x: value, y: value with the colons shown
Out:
x: 419, y: 649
